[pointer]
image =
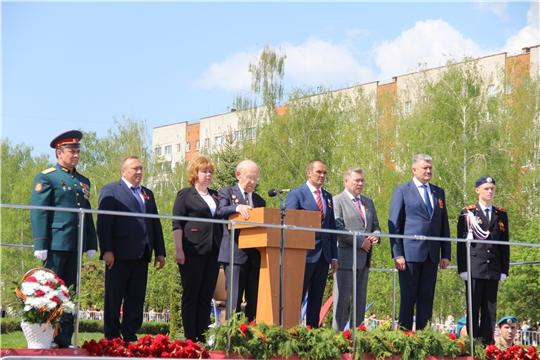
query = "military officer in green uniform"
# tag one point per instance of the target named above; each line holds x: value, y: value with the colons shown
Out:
x: 507, y: 328
x: 56, y: 233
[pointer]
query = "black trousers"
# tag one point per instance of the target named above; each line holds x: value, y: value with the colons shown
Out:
x: 125, y: 282
x: 199, y: 275
x: 484, y: 308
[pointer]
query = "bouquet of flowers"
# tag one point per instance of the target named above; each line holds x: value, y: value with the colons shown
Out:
x: 44, y: 297
x: 148, y: 346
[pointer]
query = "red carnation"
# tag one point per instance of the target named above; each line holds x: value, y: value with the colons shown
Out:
x: 243, y: 328
x: 252, y: 323
x: 362, y: 327
x: 308, y: 327
x: 347, y: 334
x: 406, y: 333
x: 452, y: 336
x: 56, y: 299
x: 40, y: 293
x: 31, y: 279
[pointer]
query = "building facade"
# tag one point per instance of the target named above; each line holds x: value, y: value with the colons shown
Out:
x: 179, y: 142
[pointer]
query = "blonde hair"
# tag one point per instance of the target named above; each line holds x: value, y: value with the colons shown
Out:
x: 198, y: 163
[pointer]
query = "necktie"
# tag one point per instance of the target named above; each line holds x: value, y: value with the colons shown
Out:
x: 357, y: 203
x: 487, y: 216
x: 319, y: 202
x: 429, y: 208
x: 138, y: 198
x: 246, y: 198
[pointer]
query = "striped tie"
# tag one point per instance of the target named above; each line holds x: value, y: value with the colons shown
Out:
x: 357, y: 203
x: 319, y: 203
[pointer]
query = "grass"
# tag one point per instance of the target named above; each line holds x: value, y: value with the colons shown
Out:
x: 16, y: 339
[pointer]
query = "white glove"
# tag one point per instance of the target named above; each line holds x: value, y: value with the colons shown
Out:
x: 464, y: 275
x: 41, y: 254
x: 90, y: 253
x: 503, y: 277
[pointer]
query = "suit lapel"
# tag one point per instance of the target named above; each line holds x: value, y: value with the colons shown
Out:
x: 129, y: 193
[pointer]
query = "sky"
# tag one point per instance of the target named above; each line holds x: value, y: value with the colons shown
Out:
x: 68, y: 65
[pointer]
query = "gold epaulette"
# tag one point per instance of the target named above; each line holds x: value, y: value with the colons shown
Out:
x: 499, y: 209
x: 49, y: 170
x: 470, y: 207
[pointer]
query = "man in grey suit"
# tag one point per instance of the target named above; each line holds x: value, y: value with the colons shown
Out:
x: 353, y: 212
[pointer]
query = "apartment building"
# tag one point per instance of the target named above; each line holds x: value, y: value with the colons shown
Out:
x: 179, y: 142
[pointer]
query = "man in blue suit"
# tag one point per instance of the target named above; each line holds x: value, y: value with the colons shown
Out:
x: 126, y: 244
x: 418, y: 208
x: 311, y: 196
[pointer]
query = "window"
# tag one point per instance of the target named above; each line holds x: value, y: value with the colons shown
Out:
x: 408, y: 106
x: 250, y: 133
x: 178, y: 148
x: 197, y: 145
x: 218, y: 140
x: 158, y: 151
x: 492, y: 89
x: 395, y: 109
x: 207, y: 142
x: 238, y: 135
x: 509, y: 87
x: 188, y: 147
x: 168, y: 149
x: 488, y: 117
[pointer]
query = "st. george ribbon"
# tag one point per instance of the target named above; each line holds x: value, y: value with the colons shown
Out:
x: 274, y: 192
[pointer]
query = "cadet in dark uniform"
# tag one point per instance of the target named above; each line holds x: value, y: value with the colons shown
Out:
x: 56, y: 232
x: 489, y: 262
x: 507, y: 327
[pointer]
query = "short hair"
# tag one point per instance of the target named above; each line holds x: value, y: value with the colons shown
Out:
x: 421, y: 157
x: 129, y: 157
x: 197, y: 163
x: 312, y: 163
x: 245, y: 163
x: 352, y: 169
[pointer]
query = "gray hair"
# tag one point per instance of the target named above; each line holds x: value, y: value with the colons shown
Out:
x: 245, y: 164
x: 421, y: 157
x: 352, y: 169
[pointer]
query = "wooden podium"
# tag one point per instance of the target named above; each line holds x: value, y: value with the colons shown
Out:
x: 268, y: 242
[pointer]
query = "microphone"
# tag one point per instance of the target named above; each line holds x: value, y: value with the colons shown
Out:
x: 274, y: 192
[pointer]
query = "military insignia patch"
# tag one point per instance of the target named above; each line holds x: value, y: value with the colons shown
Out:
x: 441, y: 204
x: 501, y: 226
x: 38, y: 187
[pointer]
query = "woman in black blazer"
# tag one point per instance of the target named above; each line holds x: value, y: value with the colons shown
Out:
x: 197, y: 246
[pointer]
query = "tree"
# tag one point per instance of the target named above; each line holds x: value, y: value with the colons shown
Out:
x: 267, y: 75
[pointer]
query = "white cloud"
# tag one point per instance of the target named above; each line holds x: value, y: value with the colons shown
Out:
x: 427, y: 42
x: 529, y: 35
x: 356, y: 32
x: 498, y: 8
x: 231, y: 74
x: 315, y: 62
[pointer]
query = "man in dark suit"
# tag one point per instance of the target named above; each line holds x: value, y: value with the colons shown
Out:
x: 418, y: 208
x: 353, y: 212
x: 489, y: 262
x: 56, y: 233
x: 311, y: 196
x: 127, y: 244
x: 240, y: 198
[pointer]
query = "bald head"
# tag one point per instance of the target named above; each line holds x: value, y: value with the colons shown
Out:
x: 247, y: 173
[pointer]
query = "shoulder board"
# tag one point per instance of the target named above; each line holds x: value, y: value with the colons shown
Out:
x: 470, y: 207
x: 49, y: 170
x: 499, y: 209
x: 84, y: 177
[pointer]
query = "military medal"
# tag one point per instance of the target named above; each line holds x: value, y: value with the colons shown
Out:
x: 234, y: 199
x: 86, y: 191
x: 63, y: 183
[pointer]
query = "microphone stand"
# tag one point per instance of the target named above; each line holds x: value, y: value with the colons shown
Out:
x: 281, y: 252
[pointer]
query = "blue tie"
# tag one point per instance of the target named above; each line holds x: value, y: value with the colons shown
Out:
x: 138, y: 198
x: 429, y: 208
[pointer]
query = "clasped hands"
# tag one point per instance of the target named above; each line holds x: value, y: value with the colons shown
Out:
x: 368, y: 242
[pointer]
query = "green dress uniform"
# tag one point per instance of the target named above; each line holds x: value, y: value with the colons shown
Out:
x: 57, y: 232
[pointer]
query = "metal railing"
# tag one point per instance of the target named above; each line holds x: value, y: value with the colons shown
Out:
x: 233, y: 224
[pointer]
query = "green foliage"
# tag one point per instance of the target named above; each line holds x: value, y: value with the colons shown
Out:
x: 175, y: 295
x: 9, y: 325
x: 226, y: 160
x: 267, y: 75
